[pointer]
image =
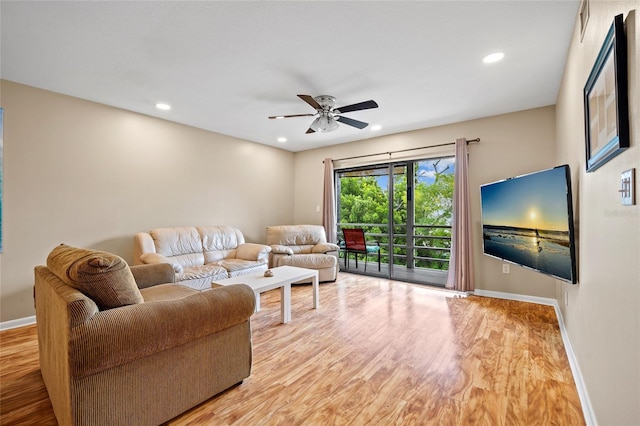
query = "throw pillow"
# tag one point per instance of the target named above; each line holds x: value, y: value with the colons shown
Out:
x: 104, y: 277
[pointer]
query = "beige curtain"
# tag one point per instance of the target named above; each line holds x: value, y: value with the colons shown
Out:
x: 461, y: 261
x: 329, y: 202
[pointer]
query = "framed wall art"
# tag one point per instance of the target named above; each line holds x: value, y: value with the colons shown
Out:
x: 1, y: 170
x: 606, y: 100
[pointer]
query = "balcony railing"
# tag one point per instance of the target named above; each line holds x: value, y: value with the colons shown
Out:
x: 429, y: 246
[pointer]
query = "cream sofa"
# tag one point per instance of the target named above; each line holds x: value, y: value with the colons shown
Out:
x: 126, y: 346
x: 200, y: 254
x: 304, y: 246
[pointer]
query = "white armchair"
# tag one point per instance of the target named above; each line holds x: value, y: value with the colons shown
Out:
x: 304, y: 246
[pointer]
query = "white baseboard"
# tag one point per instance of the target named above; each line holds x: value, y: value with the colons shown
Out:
x: 587, y: 409
x: 518, y: 297
x: 6, y: 325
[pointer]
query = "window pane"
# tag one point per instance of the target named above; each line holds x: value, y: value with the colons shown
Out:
x: 433, y: 211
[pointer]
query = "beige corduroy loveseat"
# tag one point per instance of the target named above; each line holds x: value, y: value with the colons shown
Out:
x: 126, y: 346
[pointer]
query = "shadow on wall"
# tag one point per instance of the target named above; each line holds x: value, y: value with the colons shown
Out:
x: 121, y: 246
x: 22, y: 298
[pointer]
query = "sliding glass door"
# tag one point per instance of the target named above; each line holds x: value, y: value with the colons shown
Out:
x: 405, y: 208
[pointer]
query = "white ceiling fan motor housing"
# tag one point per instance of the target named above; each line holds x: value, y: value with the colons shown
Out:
x: 326, y: 102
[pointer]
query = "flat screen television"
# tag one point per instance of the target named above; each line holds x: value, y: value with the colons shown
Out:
x: 528, y: 220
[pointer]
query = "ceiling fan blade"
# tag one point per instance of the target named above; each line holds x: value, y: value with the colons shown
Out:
x: 309, y: 99
x: 310, y: 130
x: 356, y: 107
x: 275, y: 117
x: 352, y: 122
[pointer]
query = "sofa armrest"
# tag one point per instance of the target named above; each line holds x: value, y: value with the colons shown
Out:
x: 121, y: 335
x: 142, y: 243
x: 279, y: 249
x: 252, y: 251
x: 157, y: 258
x: 324, y: 248
x: 153, y: 274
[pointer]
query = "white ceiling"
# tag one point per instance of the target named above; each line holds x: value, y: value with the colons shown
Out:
x: 225, y: 66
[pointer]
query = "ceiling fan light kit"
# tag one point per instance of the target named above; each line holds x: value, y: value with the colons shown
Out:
x: 324, y: 123
x: 328, y: 115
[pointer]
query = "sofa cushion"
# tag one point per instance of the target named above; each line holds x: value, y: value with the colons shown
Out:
x: 219, y: 242
x: 166, y: 292
x: 236, y: 266
x: 222, y: 237
x: 104, y: 277
x: 295, y: 235
x: 208, y: 270
x: 214, y: 256
x: 309, y: 261
x: 181, y: 243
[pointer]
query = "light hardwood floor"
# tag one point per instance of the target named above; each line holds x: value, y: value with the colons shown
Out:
x: 376, y: 352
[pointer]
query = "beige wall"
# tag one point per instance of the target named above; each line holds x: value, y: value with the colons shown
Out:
x: 511, y: 144
x: 603, y: 312
x: 90, y: 175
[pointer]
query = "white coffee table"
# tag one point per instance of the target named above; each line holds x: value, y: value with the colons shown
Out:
x: 283, y: 277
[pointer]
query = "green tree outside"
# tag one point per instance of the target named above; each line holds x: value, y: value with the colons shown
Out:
x: 364, y: 200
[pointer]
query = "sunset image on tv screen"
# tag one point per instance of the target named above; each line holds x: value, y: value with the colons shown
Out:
x: 527, y: 220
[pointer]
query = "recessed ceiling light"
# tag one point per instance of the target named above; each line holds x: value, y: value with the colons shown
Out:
x: 494, y: 57
x: 281, y: 139
x: 164, y: 107
x: 376, y: 127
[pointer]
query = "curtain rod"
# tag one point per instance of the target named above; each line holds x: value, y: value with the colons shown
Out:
x: 476, y: 140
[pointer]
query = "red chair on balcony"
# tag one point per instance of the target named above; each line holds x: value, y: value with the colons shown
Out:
x: 354, y: 242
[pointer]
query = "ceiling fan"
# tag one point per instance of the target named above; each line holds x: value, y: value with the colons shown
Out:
x: 328, y: 115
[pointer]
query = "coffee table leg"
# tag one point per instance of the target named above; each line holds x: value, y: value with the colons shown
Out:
x: 257, y: 301
x: 285, y: 302
x: 316, y: 291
